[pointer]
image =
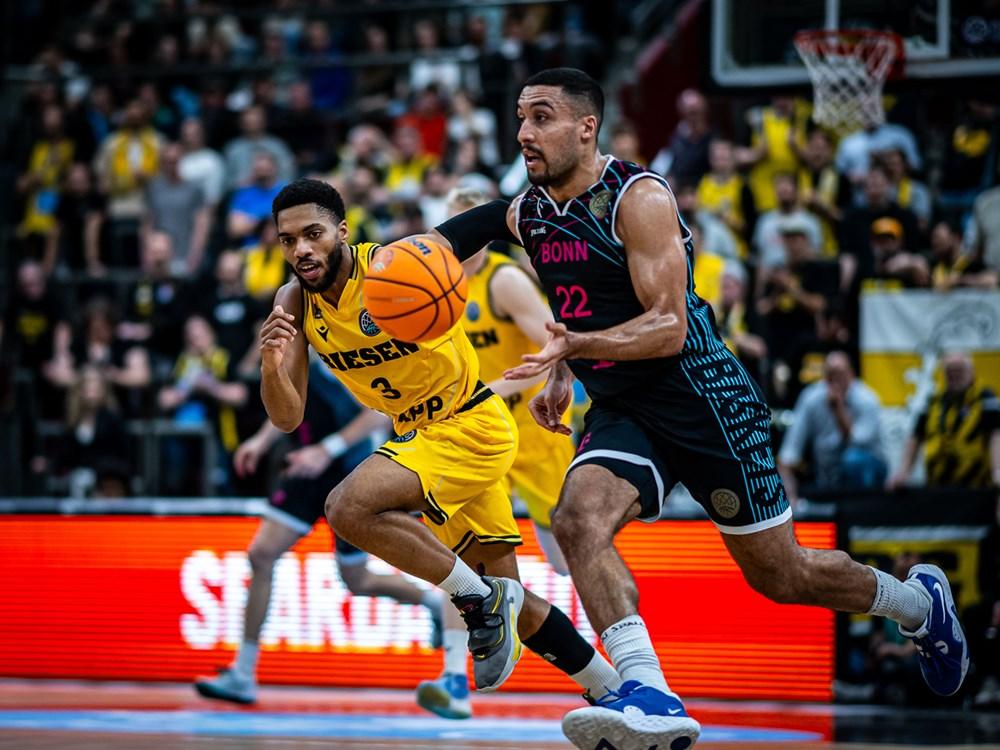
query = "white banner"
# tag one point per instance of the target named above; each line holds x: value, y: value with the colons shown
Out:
x: 930, y: 322
x: 903, y: 333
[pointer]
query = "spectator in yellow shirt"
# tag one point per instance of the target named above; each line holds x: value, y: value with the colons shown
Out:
x: 724, y: 193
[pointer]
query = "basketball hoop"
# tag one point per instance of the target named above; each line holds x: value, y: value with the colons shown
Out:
x: 848, y: 70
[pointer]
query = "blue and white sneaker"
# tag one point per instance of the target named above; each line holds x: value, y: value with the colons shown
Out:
x: 944, y: 653
x: 447, y: 696
x: 635, y: 716
x: 230, y: 686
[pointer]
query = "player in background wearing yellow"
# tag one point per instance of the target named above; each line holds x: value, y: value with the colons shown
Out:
x: 505, y: 317
x: 455, y: 441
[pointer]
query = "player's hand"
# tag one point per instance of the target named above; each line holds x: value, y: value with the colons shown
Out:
x: 275, y: 334
x: 247, y: 456
x: 555, y: 350
x: 551, y: 403
x: 308, y: 462
x: 205, y: 383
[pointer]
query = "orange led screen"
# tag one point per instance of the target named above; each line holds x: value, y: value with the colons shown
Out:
x: 161, y: 598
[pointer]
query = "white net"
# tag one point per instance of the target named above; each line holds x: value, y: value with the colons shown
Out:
x: 848, y: 70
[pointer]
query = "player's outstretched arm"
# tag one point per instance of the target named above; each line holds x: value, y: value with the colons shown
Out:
x: 284, y: 365
x: 251, y: 450
x: 467, y: 233
x: 312, y: 460
x: 515, y: 295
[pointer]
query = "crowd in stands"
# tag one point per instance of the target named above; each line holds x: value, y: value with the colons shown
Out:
x: 149, y: 148
x: 146, y: 251
x: 792, y: 224
x: 149, y: 145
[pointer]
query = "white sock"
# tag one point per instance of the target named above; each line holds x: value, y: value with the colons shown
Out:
x: 598, y: 678
x: 899, y: 602
x: 456, y: 649
x: 628, y: 645
x: 463, y: 581
x: 245, y: 663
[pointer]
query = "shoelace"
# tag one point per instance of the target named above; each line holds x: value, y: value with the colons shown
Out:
x: 479, y: 623
x: 610, y: 697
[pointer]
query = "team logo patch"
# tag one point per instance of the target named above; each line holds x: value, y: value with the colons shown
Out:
x: 405, y: 437
x: 726, y: 503
x: 600, y: 204
x: 472, y: 311
x: 382, y: 261
x: 367, y: 325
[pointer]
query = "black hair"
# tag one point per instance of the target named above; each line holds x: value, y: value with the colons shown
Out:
x: 304, y: 191
x: 97, y: 307
x: 813, y: 128
x: 877, y: 166
x: 952, y: 225
x: 576, y: 84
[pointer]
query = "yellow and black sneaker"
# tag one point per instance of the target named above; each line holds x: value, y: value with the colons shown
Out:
x: 492, y: 624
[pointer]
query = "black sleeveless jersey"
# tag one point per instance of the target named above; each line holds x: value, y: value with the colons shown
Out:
x: 583, y: 269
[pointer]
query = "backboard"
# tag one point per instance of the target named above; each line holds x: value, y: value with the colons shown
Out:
x: 752, y: 39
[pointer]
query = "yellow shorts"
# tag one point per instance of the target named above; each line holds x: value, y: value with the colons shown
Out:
x: 539, y: 469
x: 461, y: 462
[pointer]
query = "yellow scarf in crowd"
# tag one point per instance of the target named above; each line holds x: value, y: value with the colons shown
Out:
x: 132, y: 153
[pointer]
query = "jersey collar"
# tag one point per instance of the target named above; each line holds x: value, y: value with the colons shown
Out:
x: 562, y: 211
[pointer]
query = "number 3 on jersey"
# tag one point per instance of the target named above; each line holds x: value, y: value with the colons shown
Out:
x: 574, y: 302
x: 385, y: 388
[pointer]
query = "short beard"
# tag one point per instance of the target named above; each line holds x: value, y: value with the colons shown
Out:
x: 329, y: 276
x: 552, y: 176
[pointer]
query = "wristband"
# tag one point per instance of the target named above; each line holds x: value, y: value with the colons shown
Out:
x: 334, y: 445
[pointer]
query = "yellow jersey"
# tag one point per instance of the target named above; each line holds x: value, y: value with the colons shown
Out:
x: 497, y: 339
x: 708, y: 270
x: 49, y: 162
x: 774, y: 131
x: 264, y: 270
x: 414, y: 383
x: 825, y: 186
x: 725, y: 197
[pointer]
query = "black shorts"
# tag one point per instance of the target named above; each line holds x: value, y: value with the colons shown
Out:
x: 299, y: 503
x: 705, y: 424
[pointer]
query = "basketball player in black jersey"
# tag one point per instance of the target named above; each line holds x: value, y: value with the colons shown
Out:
x: 670, y: 404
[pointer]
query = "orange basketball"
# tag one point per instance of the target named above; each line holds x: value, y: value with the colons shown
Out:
x: 415, y: 290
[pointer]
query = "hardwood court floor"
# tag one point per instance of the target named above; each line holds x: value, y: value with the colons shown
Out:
x: 41, y: 715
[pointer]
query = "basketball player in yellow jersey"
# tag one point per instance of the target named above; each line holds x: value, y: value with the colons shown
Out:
x: 455, y: 442
x: 505, y: 317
